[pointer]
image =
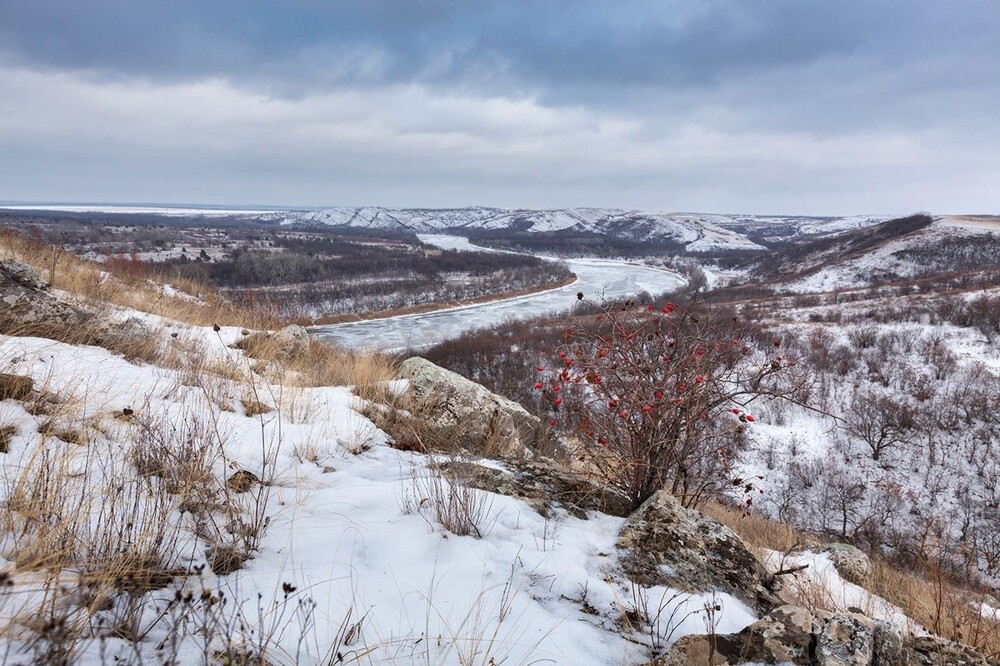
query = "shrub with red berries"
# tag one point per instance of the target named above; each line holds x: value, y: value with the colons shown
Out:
x: 659, y: 396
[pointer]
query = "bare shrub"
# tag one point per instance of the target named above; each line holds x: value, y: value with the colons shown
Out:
x: 658, y: 396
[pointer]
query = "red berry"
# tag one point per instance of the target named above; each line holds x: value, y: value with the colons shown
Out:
x: 602, y: 441
x: 623, y: 414
x: 557, y: 388
x: 552, y: 422
x: 681, y: 387
x: 558, y: 401
x: 735, y: 411
x: 659, y: 395
x: 749, y: 418
x: 699, y: 379
x: 777, y: 343
x: 562, y: 354
x: 647, y: 408
x: 538, y: 385
x: 539, y: 368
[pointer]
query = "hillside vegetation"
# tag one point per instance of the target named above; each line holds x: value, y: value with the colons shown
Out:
x: 189, y: 480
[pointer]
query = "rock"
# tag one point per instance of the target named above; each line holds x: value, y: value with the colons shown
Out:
x: 795, y: 635
x: 667, y: 544
x: 15, y: 387
x: 543, y: 484
x: 122, y: 335
x: 292, y: 341
x: 242, y: 481
x: 24, y: 275
x: 852, y: 564
x: 455, y: 408
x: 27, y: 308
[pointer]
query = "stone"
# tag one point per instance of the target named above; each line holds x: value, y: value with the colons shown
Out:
x: 27, y: 308
x: 292, y: 341
x: 24, y: 275
x: 796, y: 635
x: 852, y: 564
x: 543, y: 484
x: 122, y: 335
x: 459, y: 409
x: 663, y: 543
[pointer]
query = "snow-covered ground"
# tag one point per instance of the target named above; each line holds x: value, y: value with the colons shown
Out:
x: 347, y: 527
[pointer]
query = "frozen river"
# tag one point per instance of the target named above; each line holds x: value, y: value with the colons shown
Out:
x: 596, y: 278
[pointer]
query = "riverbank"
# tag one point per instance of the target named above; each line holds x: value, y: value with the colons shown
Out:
x: 426, y: 308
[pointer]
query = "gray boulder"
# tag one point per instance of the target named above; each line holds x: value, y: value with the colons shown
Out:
x: 663, y: 543
x: 452, y: 407
x: 852, y: 564
x: 795, y: 635
x: 292, y: 341
x: 543, y: 484
x: 122, y: 335
x: 27, y: 307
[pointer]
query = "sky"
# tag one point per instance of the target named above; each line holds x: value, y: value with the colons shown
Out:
x: 726, y: 106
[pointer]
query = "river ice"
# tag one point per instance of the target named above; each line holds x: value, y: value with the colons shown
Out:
x: 596, y: 278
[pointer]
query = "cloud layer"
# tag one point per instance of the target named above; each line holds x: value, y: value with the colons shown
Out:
x: 724, y: 106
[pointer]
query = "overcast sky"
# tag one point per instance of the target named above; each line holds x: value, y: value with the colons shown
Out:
x: 756, y: 106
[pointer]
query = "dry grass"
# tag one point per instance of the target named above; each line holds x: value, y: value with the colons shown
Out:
x: 942, y: 607
x: 923, y: 593
x: 130, y: 284
x: 758, y: 532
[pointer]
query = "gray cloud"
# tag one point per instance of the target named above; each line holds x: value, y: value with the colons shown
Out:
x: 718, y: 104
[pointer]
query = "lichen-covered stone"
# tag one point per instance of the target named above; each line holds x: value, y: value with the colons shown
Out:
x: 543, y: 485
x: 292, y: 341
x: 664, y: 543
x: 852, y: 564
x: 458, y: 408
x: 27, y: 308
x: 795, y: 635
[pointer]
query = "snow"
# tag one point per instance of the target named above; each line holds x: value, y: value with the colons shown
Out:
x: 354, y: 540
x: 823, y: 583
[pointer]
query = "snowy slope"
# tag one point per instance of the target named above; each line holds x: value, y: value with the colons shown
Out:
x: 698, y: 232
x: 347, y: 529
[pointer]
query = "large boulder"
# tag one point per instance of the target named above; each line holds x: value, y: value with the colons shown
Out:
x: 27, y: 307
x: 452, y: 407
x: 852, y: 564
x: 795, y: 635
x: 663, y: 543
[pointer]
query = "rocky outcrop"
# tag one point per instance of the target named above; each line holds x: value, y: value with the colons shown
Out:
x: 456, y: 410
x: 852, y: 564
x: 663, y: 543
x: 543, y: 485
x: 29, y: 309
x: 795, y: 635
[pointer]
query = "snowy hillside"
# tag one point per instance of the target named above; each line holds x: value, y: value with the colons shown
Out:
x: 698, y: 232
